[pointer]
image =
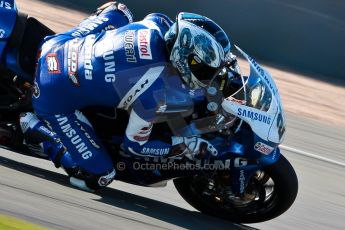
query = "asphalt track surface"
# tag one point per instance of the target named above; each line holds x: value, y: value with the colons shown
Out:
x: 34, y: 190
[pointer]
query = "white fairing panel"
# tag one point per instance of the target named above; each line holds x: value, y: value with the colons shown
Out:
x: 268, y: 124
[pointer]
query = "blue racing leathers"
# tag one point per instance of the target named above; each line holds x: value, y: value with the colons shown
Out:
x: 107, y: 61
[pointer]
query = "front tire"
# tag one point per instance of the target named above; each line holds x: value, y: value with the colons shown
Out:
x: 270, y: 200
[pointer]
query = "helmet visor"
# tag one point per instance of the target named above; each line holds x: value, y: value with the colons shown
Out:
x: 201, y: 70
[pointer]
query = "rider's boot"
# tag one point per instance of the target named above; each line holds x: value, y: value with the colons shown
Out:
x: 46, y: 142
x: 33, y: 140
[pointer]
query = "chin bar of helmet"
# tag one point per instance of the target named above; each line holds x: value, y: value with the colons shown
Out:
x: 215, y: 97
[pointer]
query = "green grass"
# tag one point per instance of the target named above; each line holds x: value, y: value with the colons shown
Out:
x: 11, y: 223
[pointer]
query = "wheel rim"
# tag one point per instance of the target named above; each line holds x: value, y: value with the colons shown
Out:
x: 260, y: 196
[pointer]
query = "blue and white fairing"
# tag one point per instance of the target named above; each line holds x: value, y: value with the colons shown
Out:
x: 261, y: 108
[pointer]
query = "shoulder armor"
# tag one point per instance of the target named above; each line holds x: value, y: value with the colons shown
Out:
x: 162, y: 21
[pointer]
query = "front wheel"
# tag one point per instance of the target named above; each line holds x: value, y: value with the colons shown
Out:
x: 269, y: 194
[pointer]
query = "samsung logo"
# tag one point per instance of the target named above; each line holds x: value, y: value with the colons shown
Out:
x: 155, y: 152
x: 6, y: 5
x: 74, y: 138
x: 87, y: 28
x: 254, y: 116
x: 109, y: 66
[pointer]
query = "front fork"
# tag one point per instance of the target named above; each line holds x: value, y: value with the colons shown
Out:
x: 245, y: 166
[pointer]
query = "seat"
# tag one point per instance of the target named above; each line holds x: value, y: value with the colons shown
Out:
x: 21, y: 57
x: 26, y: 38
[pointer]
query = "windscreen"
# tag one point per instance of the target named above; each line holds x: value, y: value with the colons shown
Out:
x: 257, y: 102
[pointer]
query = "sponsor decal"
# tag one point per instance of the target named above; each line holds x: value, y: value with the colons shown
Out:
x: 162, y: 109
x: 6, y: 5
x: 128, y: 40
x: 144, y: 44
x: 107, y: 179
x: 2, y: 33
x: 242, y: 180
x: 53, y: 63
x: 72, y: 61
x: 141, y: 86
x: 88, y: 52
x: 36, y: 90
x: 263, y: 148
x: 254, y: 116
x: 240, y: 162
x: 139, y: 90
x: 155, y: 152
x: 93, y: 142
x: 90, y: 25
x: 126, y: 11
x: 109, y: 66
x: 75, y: 139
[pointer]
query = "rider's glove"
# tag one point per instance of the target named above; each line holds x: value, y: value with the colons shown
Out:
x: 195, y: 147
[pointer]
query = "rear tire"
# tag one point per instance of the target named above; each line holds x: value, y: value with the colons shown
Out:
x: 284, y: 193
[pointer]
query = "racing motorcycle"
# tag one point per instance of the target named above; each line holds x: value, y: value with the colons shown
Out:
x: 244, y: 120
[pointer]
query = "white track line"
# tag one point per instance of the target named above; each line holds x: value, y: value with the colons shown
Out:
x: 312, y: 155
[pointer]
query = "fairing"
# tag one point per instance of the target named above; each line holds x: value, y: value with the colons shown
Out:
x: 261, y: 106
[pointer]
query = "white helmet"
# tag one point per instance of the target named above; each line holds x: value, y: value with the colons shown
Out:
x: 199, y: 48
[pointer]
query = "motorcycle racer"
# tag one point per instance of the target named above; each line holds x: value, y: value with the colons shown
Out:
x: 141, y: 67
